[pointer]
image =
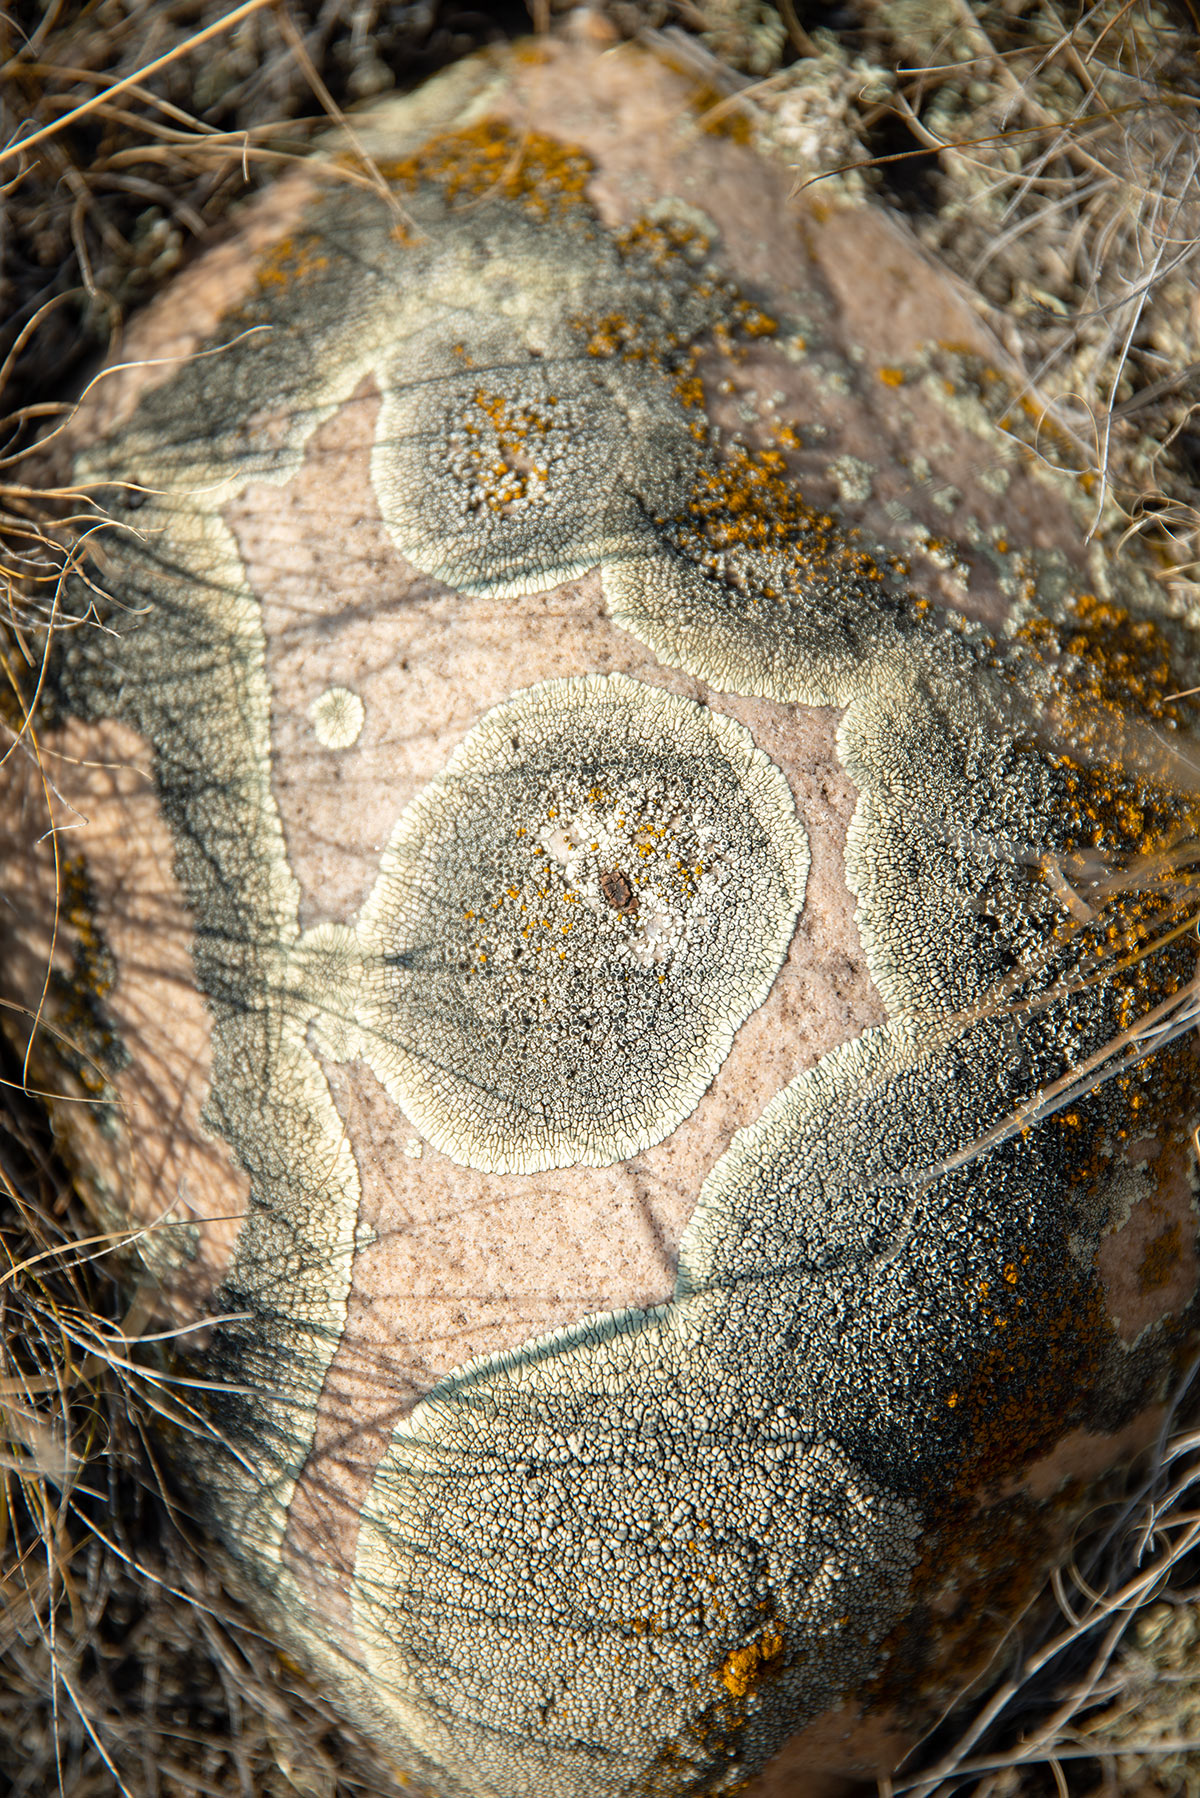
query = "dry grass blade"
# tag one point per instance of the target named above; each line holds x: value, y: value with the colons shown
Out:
x: 1123, y: 1568
x: 21, y: 146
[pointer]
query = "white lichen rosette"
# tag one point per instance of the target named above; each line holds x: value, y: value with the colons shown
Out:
x: 337, y: 716
x: 569, y: 925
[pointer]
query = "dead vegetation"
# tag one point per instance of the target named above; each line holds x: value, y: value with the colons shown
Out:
x: 1049, y: 154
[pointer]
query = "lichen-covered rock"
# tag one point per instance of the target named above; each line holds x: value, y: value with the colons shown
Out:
x: 625, y: 865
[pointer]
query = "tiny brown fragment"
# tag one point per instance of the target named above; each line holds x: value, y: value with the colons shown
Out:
x: 618, y: 892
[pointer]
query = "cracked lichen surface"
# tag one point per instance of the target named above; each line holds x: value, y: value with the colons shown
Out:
x: 636, y: 1554
x: 569, y: 925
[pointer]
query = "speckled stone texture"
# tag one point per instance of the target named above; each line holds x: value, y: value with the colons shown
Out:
x: 606, y: 821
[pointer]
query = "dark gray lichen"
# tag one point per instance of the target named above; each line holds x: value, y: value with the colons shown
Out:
x: 592, y: 1528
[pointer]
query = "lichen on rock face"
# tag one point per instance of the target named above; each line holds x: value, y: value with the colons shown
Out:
x: 747, y: 586
x: 337, y: 717
x: 571, y: 606
x: 570, y: 924
x: 505, y: 478
x: 564, y: 1527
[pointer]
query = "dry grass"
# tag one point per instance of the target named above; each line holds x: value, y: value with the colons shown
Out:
x: 1049, y: 155
x: 1084, y: 245
x: 1073, y: 1699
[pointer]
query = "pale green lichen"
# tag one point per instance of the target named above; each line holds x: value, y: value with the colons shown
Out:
x: 337, y: 718
x: 570, y: 924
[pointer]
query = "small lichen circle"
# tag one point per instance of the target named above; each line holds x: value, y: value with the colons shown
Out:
x: 337, y: 716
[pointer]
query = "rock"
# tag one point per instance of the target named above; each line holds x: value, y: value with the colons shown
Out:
x: 622, y: 861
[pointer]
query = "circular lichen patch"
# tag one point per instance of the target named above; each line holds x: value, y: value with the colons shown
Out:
x: 738, y: 580
x: 517, y: 477
x: 337, y: 717
x: 570, y: 924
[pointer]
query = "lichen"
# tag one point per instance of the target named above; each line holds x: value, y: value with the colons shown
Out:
x: 569, y: 926
x: 337, y: 718
x: 639, y: 1553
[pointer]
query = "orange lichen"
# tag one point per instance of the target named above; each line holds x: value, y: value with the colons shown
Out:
x: 292, y: 259
x: 615, y: 334
x: 544, y: 176
x: 743, y: 1667
x: 752, y: 321
x: 749, y: 502
x: 505, y: 468
x: 721, y: 115
x: 1106, y: 662
x: 664, y: 242
x: 671, y: 246
x: 1127, y: 875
